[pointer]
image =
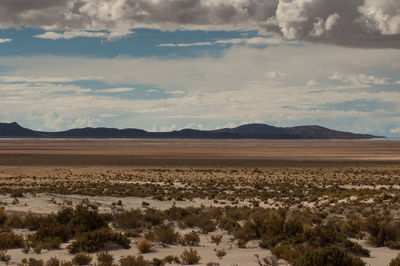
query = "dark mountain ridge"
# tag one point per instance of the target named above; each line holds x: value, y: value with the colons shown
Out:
x: 249, y: 131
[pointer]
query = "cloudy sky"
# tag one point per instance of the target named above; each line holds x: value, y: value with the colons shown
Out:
x: 169, y: 64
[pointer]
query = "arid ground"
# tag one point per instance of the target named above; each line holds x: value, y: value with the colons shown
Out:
x: 288, y: 201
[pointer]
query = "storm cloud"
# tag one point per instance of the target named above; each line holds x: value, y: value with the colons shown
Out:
x: 355, y: 23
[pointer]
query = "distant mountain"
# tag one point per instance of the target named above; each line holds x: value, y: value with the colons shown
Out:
x: 250, y: 131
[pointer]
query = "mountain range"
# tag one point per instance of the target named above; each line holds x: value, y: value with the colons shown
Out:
x: 249, y: 131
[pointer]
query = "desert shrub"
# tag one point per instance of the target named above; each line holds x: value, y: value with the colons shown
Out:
x: 287, y: 252
x: 105, y: 259
x: 144, y: 245
x: 94, y: 240
x: 83, y: 219
x: 153, y: 217
x: 328, y: 256
x: 190, y: 257
x: 220, y: 253
x: 166, y: 234
x: 241, y: 243
x: 355, y: 248
x: 3, y: 218
x: 228, y: 224
x: 172, y: 259
x: 395, y: 261
x: 9, y: 239
x: 81, y: 259
x: 216, y: 239
x: 132, y: 219
x: 53, y: 262
x: 4, y: 257
x: 133, y: 261
x: 191, y: 239
x: 267, y: 261
x: 382, y: 230
x: 35, y: 262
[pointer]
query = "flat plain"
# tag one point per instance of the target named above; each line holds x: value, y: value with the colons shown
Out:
x: 287, y: 201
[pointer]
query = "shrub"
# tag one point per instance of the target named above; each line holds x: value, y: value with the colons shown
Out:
x: 216, y: 239
x: 10, y: 240
x: 395, y: 261
x: 53, y: 262
x: 356, y: 248
x: 94, y: 240
x: 144, y: 245
x: 172, y: 259
x: 35, y: 262
x: 133, y: 261
x: 267, y: 261
x: 220, y: 254
x: 328, y: 256
x: 132, y: 219
x: 191, y: 239
x: 81, y: 259
x: 105, y: 259
x: 166, y: 234
x: 190, y: 257
x: 4, y: 257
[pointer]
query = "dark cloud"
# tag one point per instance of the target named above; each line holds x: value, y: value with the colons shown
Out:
x: 357, y: 23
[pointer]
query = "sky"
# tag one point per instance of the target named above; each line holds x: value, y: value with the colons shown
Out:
x: 164, y: 65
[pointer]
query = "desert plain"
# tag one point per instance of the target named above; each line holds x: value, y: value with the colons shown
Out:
x: 206, y: 202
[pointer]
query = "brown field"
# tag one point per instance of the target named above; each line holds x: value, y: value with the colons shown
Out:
x: 217, y: 153
x: 349, y: 188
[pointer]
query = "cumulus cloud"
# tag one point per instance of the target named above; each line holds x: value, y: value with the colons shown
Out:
x: 359, y: 23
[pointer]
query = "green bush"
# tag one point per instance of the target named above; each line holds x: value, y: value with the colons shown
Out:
x: 190, y: 257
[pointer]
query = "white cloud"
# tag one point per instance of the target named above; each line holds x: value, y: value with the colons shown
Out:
x: 236, y: 41
x: 361, y: 79
x: 4, y: 40
x: 395, y: 130
x: 116, y: 90
x: 51, y: 35
x: 274, y: 74
x: 44, y: 79
x: 312, y: 83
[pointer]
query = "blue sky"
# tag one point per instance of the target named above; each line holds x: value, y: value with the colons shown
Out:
x: 112, y: 67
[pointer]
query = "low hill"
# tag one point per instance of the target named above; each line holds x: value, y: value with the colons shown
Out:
x: 249, y: 131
